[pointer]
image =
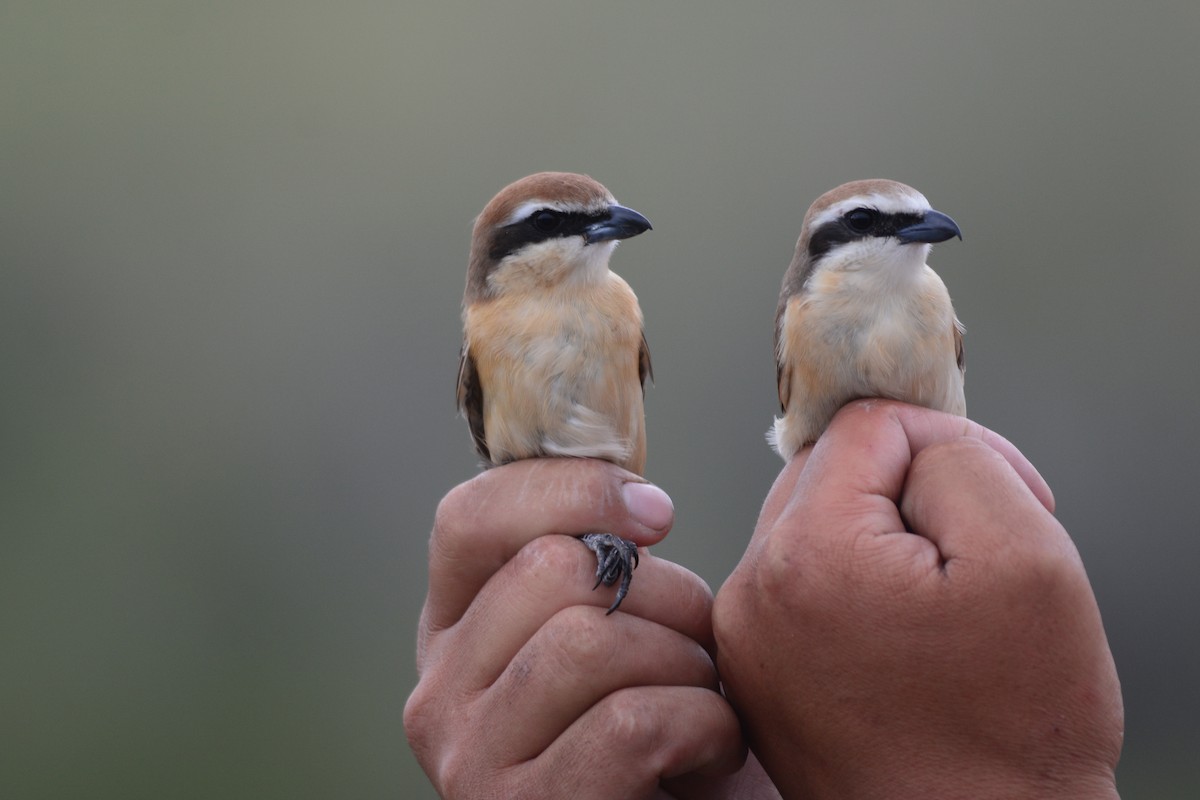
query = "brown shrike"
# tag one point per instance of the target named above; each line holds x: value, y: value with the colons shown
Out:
x: 554, y: 359
x: 860, y: 313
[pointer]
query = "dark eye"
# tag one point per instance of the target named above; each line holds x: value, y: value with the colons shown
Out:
x: 546, y: 221
x: 861, y: 220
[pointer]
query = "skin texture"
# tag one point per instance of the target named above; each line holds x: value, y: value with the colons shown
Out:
x: 526, y: 689
x: 910, y: 620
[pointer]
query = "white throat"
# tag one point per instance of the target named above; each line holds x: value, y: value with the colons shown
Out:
x: 552, y: 264
x: 882, y: 268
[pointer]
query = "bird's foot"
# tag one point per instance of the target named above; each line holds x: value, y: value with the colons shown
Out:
x: 615, y: 560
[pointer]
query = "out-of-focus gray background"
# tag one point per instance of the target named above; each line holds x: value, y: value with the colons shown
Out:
x: 232, y: 243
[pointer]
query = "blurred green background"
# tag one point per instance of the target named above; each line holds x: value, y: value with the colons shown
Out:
x: 233, y: 239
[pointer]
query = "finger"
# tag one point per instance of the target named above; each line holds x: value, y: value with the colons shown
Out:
x: 970, y: 502
x: 924, y: 428
x: 871, y: 443
x: 576, y: 659
x: 554, y: 573
x: 482, y: 523
x: 781, y: 493
x: 850, y: 484
x: 633, y: 738
x: 749, y: 782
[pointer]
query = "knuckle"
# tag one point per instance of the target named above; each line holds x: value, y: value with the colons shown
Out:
x: 804, y: 581
x: 580, y: 635
x: 455, y: 776
x: 416, y: 714
x: 421, y: 721
x: 456, y: 510
x: 780, y: 567
x: 460, y: 516
x: 1046, y: 571
x: 782, y: 571
x: 444, y: 743
x: 692, y: 595
x: 627, y: 718
x: 553, y: 559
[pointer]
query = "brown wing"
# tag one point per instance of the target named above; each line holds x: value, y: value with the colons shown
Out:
x: 644, y: 369
x: 783, y: 372
x: 960, y: 355
x: 470, y: 401
x: 783, y: 375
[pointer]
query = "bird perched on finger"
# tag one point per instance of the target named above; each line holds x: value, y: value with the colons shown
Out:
x: 554, y: 358
x: 861, y: 314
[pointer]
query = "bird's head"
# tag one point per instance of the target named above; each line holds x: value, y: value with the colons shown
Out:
x: 544, y: 230
x: 872, y: 224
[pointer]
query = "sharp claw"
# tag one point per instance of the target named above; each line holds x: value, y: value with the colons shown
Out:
x: 616, y: 559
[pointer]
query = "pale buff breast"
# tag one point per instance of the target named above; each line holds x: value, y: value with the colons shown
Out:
x: 839, y: 348
x: 559, y: 372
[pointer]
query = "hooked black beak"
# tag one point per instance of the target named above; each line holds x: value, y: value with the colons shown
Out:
x: 618, y: 223
x: 934, y: 227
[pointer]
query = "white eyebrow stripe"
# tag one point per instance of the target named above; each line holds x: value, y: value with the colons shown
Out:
x: 914, y: 203
x: 529, y: 206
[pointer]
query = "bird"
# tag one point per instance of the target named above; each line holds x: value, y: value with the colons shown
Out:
x: 861, y: 314
x: 554, y: 358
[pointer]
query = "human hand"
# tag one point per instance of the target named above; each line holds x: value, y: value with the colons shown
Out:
x: 910, y: 620
x: 526, y: 688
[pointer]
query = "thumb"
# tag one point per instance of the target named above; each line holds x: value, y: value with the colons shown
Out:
x: 967, y: 499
